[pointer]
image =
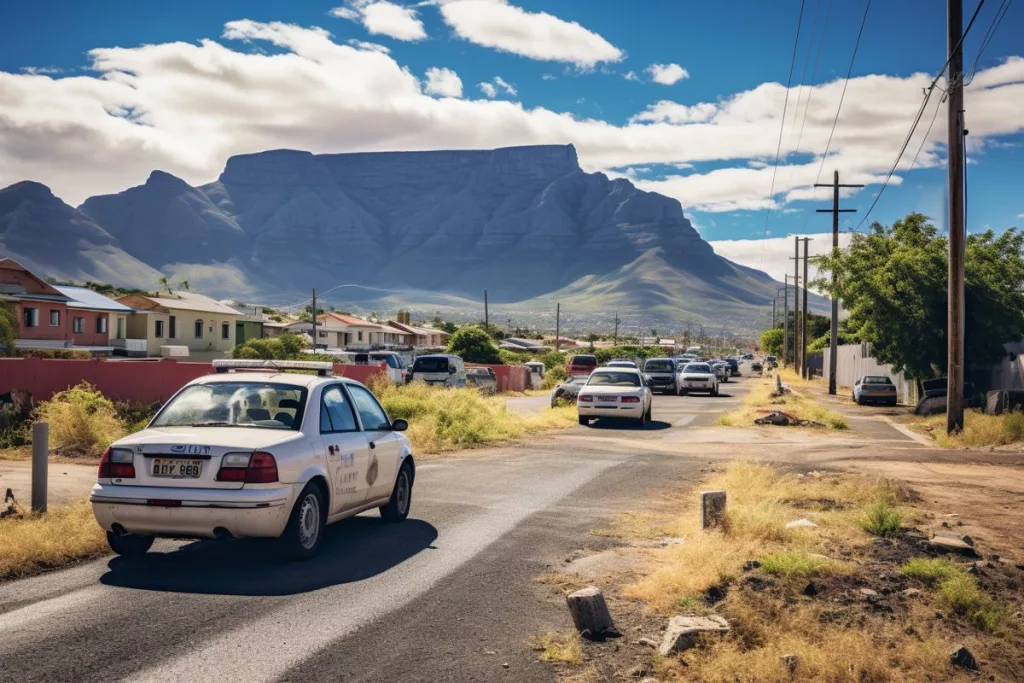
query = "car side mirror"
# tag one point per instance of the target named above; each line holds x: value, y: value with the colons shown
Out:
x: 399, y: 425
x: 451, y: 371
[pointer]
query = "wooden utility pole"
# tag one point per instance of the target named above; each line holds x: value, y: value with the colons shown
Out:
x: 314, y: 319
x: 615, y: 338
x: 796, y: 303
x: 955, y: 110
x: 487, y: 316
x: 558, y: 327
x: 804, y: 369
x: 833, y: 338
x: 785, y: 323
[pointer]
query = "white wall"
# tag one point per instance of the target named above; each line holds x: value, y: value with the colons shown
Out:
x: 855, y: 361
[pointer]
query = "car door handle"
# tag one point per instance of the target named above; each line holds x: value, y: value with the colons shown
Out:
x: 373, y: 444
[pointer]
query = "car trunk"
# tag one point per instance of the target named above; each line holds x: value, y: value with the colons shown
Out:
x: 190, y: 457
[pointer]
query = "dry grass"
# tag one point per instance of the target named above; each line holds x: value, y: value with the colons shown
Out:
x: 980, y: 430
x: 762, y: 501
x: 82, y: 421
x: 36, y: 543
x: 443, y: 419
x: 765, y: 629
x: 760, y: 399
x: 560, y: 647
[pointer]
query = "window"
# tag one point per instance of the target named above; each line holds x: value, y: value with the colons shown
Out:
x: 199, y: 329
x: 321, y: 334
x: 78, y: 325
x: 54, y: 318
x: 252, y: 404
x: 225, y: 331
x: 359, y: 336
x: 173, y: 327
x: 120, y: 327
x: 336, y: 412
x: 159, y: 332
x: 31, y: 317
x: 101, y: 325
x: 373, y: 416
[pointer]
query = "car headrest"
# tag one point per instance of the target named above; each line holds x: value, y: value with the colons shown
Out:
x: 288, y: 403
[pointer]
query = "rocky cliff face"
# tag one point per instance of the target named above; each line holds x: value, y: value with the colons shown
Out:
x: 521, y: 222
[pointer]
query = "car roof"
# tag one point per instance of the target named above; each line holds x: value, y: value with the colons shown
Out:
x: 294, y: 379
x: 436, y: 355
x: 607, y: 369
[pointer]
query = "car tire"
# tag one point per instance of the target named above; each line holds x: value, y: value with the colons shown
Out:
x: 397, y: 508
x: 585, y: 421
x: 648, y: 415
x: 129, y: 545
x: 714, y: 392
x: 304, y: 533
x: 642, y: 420
x: 683, y: 392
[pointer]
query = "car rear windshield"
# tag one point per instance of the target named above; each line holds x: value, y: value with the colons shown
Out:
x: 430, y: 365
x: 614, y: 379
x: 876, y: 379
x: 392, y: 361
x: 659, y: 366
x: 478, y: 372
x: 698, y: 368
x: 588, y: 361
x: 235, y: 404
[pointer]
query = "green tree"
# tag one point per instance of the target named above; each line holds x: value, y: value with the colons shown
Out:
x: 474, y: 345
x: 8, y: 329
x: 892, y: 281
x: 444, y: 325
x: 771, y: 341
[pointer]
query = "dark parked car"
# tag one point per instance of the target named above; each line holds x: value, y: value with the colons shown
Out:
x: 569, y: 390
x: 734, y: 366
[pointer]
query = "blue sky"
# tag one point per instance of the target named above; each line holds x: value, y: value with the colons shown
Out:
x: 729, y: 52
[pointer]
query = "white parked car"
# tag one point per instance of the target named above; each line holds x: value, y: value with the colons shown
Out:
x: 698, y: 377
x: 615, y: 392
x: 440, y: 369
x: 255, y: 454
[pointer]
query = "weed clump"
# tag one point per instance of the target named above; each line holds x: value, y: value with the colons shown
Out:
x: 82, y: 421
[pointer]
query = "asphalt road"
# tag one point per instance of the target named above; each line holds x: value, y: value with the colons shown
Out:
x: 449, y: 595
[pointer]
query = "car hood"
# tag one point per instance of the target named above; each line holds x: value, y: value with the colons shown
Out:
x: 227, y: 437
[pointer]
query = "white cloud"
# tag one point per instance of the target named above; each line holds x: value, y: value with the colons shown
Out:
x: 488, y: 89
x: 185, y: 108
x: 443, y: 82
x: 548, y: 77
x: 537, y: 35
x: 772, y: 255
x: 384, y: 18
x: 363, y: 45
x: 42, y: 70
x: 495, y: 86
x: 631, y: 76
x: 667, y: 74
x: 505, y: 85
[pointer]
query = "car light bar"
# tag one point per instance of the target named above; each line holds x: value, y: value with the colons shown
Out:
x: 225, y: 364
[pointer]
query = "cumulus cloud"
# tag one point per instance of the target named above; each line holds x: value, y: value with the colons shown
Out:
x: 185, y: 107
x: 488, y: 89
x: 772, y: 255
x: 537, y: 35
x: 505, y: 85
x: 631, y: 76
x: 443, y: 82
x: 495, y: 86
x: 667, y: 74
x: 384, y: 18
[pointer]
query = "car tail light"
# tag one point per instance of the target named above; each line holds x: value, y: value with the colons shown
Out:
x: 630, y: 399
x: 117, y: 463
x: 255, y: 468
x: 586, y: 398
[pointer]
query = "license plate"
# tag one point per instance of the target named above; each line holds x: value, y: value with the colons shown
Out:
x: 608, y: 399
x: 176, y: 468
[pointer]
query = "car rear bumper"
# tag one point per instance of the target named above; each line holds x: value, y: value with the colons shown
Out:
x: 202, y: 513
x: 698, y: 386
x: 631, y: 410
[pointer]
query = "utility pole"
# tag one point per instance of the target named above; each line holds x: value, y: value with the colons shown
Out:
x: 804, y: 369
x: 796, y: 303
x: 314, y: 318
x: 615, y: 338
x: 487, y: 317
x: 954, y: 112
x: 785, y: 323
x: 774, y: 301
x: 833, y: 338
x: 558, y: 327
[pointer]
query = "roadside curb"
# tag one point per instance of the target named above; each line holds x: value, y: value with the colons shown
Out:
x: 910, y: 433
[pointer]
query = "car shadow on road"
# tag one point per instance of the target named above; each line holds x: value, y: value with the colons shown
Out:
x: 352, y: 550
x: 622, y: 424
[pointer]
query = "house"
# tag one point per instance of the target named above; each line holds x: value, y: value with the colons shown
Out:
x: 423, y: 337
x: 98, y: 322
x: 248, y: 327
x: 327, y: 336
x: 41, y: 308
x: 274, y: 325
x: 358, y: 335
x: 203, y: 327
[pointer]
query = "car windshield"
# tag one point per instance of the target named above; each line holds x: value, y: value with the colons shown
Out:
x: 659, y: 366
x: 424, y: 364
x: 589, y: 361
x: 615, y: 379
x: 392, y: 361
x: 578, y: 380
x: 698, y: 368
x: 235, y: 404
x: 478, y: 372
x: 876, y: 379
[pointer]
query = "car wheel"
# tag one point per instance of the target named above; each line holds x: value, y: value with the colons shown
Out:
x: 648, y: 415
x: 129, y: 545
x: 585, y: 421
x: 714, y: 391
x: 397, y: 509
x: 305, y: 531
x: 683, y: 392
x: 642, y: 419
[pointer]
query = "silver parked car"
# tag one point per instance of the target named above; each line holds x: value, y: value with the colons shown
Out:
x: 483, y: 379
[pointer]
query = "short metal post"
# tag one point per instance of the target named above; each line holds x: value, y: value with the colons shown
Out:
x: 40, y: 463
x: 712, y: 509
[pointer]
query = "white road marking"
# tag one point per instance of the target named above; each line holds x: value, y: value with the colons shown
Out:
x: 264, y: 649
x: 684, y: 420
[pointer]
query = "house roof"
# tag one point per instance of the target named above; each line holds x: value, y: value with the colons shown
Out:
x: 187, y: 301
x: 423, y: 331
x: 348, y: 320
x: 18, y: 290
x: 83, y: 297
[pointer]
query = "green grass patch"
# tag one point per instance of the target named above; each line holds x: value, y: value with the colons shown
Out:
x: 959, y: 592
x: 882, y: 519
x: 931, y: 571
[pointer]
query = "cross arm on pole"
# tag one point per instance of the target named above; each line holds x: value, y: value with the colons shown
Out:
x: 834, y: 185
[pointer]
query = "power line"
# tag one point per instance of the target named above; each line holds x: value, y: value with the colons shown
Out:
x: 989, y: 34
x: 814, y: 74
x: 927, y: 133
x: 782, y: 124
x: 917, y: 119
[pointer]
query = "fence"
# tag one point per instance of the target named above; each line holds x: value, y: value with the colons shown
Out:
x: 131, y: 381
x: 855, y: 361
x: 510, y: 377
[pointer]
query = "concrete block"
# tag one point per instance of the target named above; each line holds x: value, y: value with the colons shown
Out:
x: 712, y: 509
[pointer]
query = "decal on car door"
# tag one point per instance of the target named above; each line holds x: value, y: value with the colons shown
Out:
x: 371, y: 473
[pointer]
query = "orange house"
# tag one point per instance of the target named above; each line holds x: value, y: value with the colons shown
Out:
x: 42, y: 309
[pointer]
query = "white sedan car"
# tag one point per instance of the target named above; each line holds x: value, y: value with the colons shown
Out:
x: 615, y: 392
x: 255, y: 454
x: 698, y: 377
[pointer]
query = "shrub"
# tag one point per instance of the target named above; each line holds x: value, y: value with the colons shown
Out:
x: 8, y: 329
x: 82, y: 421
x: 553, y: 377
x: 15, y: 418
x: 882, y: 519
x: 135, y: 416
x: 474, y: 345
x: 63, y: 354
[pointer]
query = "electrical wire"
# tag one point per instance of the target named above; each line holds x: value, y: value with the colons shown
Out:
x: 989, y: 35
x: 935, y: 115
x: 782, y: 125
x: 917, y: 119
x: 814, y: 74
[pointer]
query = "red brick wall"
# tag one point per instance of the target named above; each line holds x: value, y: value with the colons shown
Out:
x: 130, y: 381
x: 89, y: 336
